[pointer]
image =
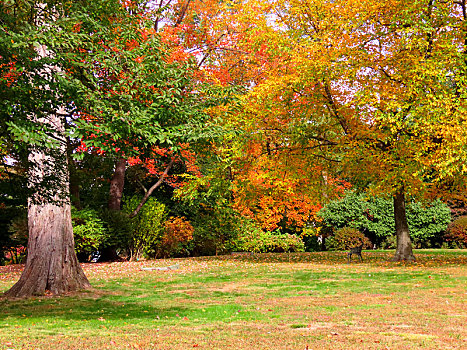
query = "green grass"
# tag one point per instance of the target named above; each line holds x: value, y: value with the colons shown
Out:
x: 286, y: 301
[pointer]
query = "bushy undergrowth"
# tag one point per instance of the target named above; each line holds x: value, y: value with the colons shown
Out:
x: 147, y: 228
x: 456, y: 234
x: 178, y: 232
x: 259, y: 241
x: 89, y: 231
x: 346, y: 238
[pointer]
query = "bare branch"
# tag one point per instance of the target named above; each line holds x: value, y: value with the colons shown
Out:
x: 151, y: 189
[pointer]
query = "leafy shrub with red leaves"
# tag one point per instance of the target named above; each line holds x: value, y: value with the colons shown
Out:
x: 177, y: 232
x: 456, y: 234
x: 346, y: 238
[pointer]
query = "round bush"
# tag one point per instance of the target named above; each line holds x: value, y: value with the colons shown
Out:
x: 346, y: 238
x: 456, y: 233
x: 88, y: 230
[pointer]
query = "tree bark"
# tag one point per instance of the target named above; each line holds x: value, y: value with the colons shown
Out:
x: 51, y: 265
x: 404, y: 244
x: 74, y: 179
x: 117, y: 184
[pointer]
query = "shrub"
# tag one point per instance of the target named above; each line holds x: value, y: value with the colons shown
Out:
x: 177, y: 232
x: 456, y: 233
x: 89, y: 231
x: 146, y: 228
x: 259, y: 241
x: 428, y: 223
x: 119, y: 228
x: 216, y: 230
x: 346, y: 238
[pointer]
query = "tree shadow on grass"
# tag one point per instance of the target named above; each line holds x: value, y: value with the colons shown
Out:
x: 87, y: 305
x: 118, y: 308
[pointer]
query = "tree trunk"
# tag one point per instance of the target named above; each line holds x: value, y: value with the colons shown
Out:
x: 74, y: 176
x: 404, y: 244
x: 117, y: 184
x: 51, y: 265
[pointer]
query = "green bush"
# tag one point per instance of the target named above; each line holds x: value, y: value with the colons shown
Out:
x: 375, y: 217
x: 215, y: 230
x: 147, y: 228
x: 119, y: 230
x: 456, y: 234
x: 346, y: 238
x: 428, y: 223
x: 89, y: 231
x: 259, y: 241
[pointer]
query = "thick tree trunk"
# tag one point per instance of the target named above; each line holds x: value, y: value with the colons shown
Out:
x: 404, y: 244
x: 117, y: 184
x: 51, y: 265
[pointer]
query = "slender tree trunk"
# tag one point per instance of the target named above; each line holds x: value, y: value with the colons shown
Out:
x: 152, y: 188
x: 117, y: 184
x: 404, y: 244
x: 51, y: 265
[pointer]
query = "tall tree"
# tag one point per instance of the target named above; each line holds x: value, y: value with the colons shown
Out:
x: 376, y: 90
x: 51, y: 264
x: 113, y: 81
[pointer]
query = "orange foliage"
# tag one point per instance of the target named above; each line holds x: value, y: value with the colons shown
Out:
x: 177, y: 230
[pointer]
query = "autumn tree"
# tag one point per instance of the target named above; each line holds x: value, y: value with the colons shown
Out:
x: 363, y: 89
x: 194, y: 36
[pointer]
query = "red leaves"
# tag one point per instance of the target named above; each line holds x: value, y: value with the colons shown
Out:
x: 10, y: 73
x: 77, y: 27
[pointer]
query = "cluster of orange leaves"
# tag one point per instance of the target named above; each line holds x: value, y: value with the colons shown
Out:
x: 11, y: 73
x: 177, y: 230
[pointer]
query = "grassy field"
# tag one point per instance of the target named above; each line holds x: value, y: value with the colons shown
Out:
x: 264, y: 301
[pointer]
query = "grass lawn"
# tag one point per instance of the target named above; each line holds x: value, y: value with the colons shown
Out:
x: 264, y: 301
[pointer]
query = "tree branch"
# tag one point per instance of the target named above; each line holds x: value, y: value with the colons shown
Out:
x: 151, y: 189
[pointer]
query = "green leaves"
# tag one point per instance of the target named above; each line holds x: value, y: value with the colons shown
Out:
x: 375, y: 217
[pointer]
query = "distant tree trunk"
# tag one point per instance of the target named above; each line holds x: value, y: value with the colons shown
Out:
x: 51, y: 265
x: 404, y: 244
x: 117, y: 184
